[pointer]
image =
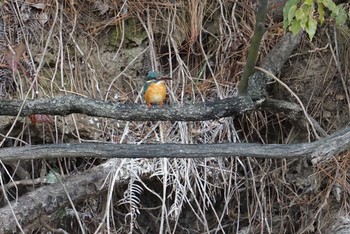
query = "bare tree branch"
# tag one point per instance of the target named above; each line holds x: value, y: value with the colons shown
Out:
x: 133, y: 112
x: 321, y: 150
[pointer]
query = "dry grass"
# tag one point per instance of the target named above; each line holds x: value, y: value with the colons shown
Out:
x: 89, y: 48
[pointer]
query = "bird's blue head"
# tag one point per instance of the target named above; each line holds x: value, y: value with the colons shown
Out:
x: 152, y: 75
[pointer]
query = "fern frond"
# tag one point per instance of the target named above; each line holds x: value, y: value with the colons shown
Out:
x: 176, y: 207
x: 132, y: 196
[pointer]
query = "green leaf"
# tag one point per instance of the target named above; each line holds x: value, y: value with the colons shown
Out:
x: 286, y: 9
x: 299, y: 14
x: 329, y: 4
x: 341, y: 18
x: 288, y: 5
x: 320, y: 7
x: 295, y: 27
x: 309, y: 2
x: 311, y: 27
x: 291, y: 13
x: 302, y: 15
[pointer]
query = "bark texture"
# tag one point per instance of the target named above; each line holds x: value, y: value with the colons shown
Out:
x: 318, y: 150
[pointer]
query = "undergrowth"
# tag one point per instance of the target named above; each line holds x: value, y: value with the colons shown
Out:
x: 102, y: 50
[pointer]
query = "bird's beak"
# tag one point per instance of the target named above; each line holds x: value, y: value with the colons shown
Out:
x: 164, y: 78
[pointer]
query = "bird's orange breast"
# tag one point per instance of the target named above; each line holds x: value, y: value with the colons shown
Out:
x: 155, y: 93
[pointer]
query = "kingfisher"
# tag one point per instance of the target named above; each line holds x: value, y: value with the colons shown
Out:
x: 154, y: 90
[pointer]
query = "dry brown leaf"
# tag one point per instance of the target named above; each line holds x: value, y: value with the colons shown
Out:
x: 38, y: 118
x: 14, y: 55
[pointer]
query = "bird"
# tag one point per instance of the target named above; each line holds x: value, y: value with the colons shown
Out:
x: 154, y: 90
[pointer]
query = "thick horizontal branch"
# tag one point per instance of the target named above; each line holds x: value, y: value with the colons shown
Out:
x: 133, y: 112
x: 65, y: 105
x: 323, y: 148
